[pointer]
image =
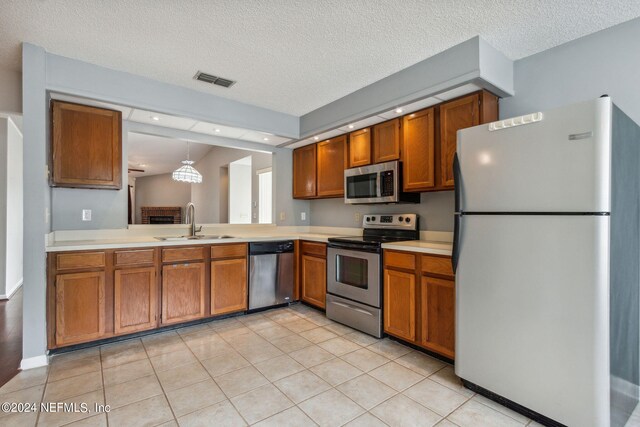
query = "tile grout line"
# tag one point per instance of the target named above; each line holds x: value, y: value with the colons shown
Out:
x: 164, y: 393
x: 44, y: 389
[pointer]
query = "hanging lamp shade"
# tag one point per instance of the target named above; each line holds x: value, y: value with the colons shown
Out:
x: 186, y: 172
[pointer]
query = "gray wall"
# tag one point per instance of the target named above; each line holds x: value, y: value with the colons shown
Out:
x: 603, y: 62
x: 435, y: 210
x: 10, y: 91
x: 160, y: 190
x: 209, y: 197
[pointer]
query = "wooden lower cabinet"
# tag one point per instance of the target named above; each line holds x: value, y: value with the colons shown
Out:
x: 228, y: 285
x: 183, y: 292
x: 79, y: 307
x: 419, y: 300
x: 437, y: 313
x: 135, y: 300
x: 314, y: 280
x: 400, y: 304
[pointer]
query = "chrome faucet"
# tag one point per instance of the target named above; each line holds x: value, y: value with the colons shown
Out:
x: 190, y: 218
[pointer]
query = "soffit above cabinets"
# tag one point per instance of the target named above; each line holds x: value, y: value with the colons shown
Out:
x: 398, y: 111
x: 181, y: 123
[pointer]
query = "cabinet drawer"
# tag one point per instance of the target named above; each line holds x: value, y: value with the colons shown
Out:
x: 72, y: 261
x: 134, y: 257
x: 317, y: 249
x: 182, y: 254
x: 403, y: 260
x: 229, y: 251
x: 437, y: 265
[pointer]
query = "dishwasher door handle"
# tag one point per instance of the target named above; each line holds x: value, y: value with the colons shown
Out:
x: 350, y: 307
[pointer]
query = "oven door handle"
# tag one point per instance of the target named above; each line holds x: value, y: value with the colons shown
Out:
x: 359, y: 310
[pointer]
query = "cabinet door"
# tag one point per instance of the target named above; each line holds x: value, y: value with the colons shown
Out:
x: 386, y: 141
x: 360, y: 148
x: 455, y: 115
x: 135, y: 300
x: 183, y: 292
x: 400, y: 304
x: 418, y: 154
x: 437, y: 313
x: 304, y: 172
x: 87, y: 147
x: 80, y: 307
x: 228, y: 285
x: 332, y: 161
x: 314, y: 280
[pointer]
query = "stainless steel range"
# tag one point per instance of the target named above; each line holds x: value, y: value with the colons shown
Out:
x: 354, y: 270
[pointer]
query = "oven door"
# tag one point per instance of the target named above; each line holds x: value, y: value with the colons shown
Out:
x: 354, y: 275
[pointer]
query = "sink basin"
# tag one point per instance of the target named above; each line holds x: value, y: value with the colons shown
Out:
x: 197, y: 237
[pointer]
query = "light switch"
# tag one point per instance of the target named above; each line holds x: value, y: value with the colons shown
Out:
x: 282, y: 216
x: 303, y: 216
x: 86, y: 214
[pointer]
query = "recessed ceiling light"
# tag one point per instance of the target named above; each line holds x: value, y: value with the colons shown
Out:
x: 217, y: 130
x: 398, y: 110
x: 350, y: 126
x: 156, y: 118
x: 142, y: 165
x: 316, y: 138
x: 265, y: 139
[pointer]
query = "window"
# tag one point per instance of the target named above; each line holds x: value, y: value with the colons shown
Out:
x: 265, y: 207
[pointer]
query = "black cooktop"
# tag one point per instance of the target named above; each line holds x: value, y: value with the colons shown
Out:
x: 369, y: 240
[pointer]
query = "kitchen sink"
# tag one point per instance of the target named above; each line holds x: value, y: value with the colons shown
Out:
x: 197, y: 237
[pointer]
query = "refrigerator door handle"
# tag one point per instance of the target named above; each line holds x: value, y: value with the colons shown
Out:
x: 455, y: 252
x: 457, y: 215
x: 457, y: 182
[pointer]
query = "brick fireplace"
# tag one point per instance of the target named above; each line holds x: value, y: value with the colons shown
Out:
x: 161, y: 215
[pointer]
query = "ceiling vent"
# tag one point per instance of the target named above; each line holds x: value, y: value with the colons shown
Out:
x: 208, y: 78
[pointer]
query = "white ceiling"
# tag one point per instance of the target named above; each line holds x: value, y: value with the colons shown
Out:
x: 290, y: 56
x: 181, y: 123
x: 158, y: 155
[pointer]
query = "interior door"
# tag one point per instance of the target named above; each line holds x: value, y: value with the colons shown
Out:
x: 558, y: 164
x: 532, y: 312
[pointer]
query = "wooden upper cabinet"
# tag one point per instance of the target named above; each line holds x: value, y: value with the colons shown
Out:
x: 360, y: 148
x: 437, y: 313
x: 304, y: 172
x: 461, y: 113
x: 183, y: 292
x: 135, y: 300
x: 86, y: 147
x: 79, y: 307
x: 228, y: 285
x: 332, y: 161
x: 419, y: 150
x: 387, y: 141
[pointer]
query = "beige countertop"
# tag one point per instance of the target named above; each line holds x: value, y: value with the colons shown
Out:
x: 423, y: 246
x: 138, y: 237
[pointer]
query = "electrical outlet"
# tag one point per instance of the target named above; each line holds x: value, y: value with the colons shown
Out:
x: 283, y: 216
x: 86, y: 214
x: 358, y: 217
x: 255, y: 215
x: 303, y: 216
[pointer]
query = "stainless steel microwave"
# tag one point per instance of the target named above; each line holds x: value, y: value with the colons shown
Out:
x: 380, y: 183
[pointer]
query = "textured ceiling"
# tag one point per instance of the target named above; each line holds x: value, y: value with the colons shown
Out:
x: 290, y: 56
x: 158, y: 155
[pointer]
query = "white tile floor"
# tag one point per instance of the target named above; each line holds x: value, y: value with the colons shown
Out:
x: 285, y: 367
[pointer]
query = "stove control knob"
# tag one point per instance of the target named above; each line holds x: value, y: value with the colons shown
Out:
x: 407, y: 219
x: 373, y: 218
x: 368, y: 219
x: 400, y: 219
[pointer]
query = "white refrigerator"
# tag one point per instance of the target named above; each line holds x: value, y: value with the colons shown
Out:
x: 546, y: 253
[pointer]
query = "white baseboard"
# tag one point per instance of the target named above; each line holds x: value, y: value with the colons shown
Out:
x: 34, y: 362
x: 13, y: 291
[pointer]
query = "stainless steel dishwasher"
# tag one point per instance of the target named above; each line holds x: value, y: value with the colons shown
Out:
x: 270, y: 273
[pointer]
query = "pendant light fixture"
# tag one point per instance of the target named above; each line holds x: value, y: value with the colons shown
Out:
x: 186, y: 172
